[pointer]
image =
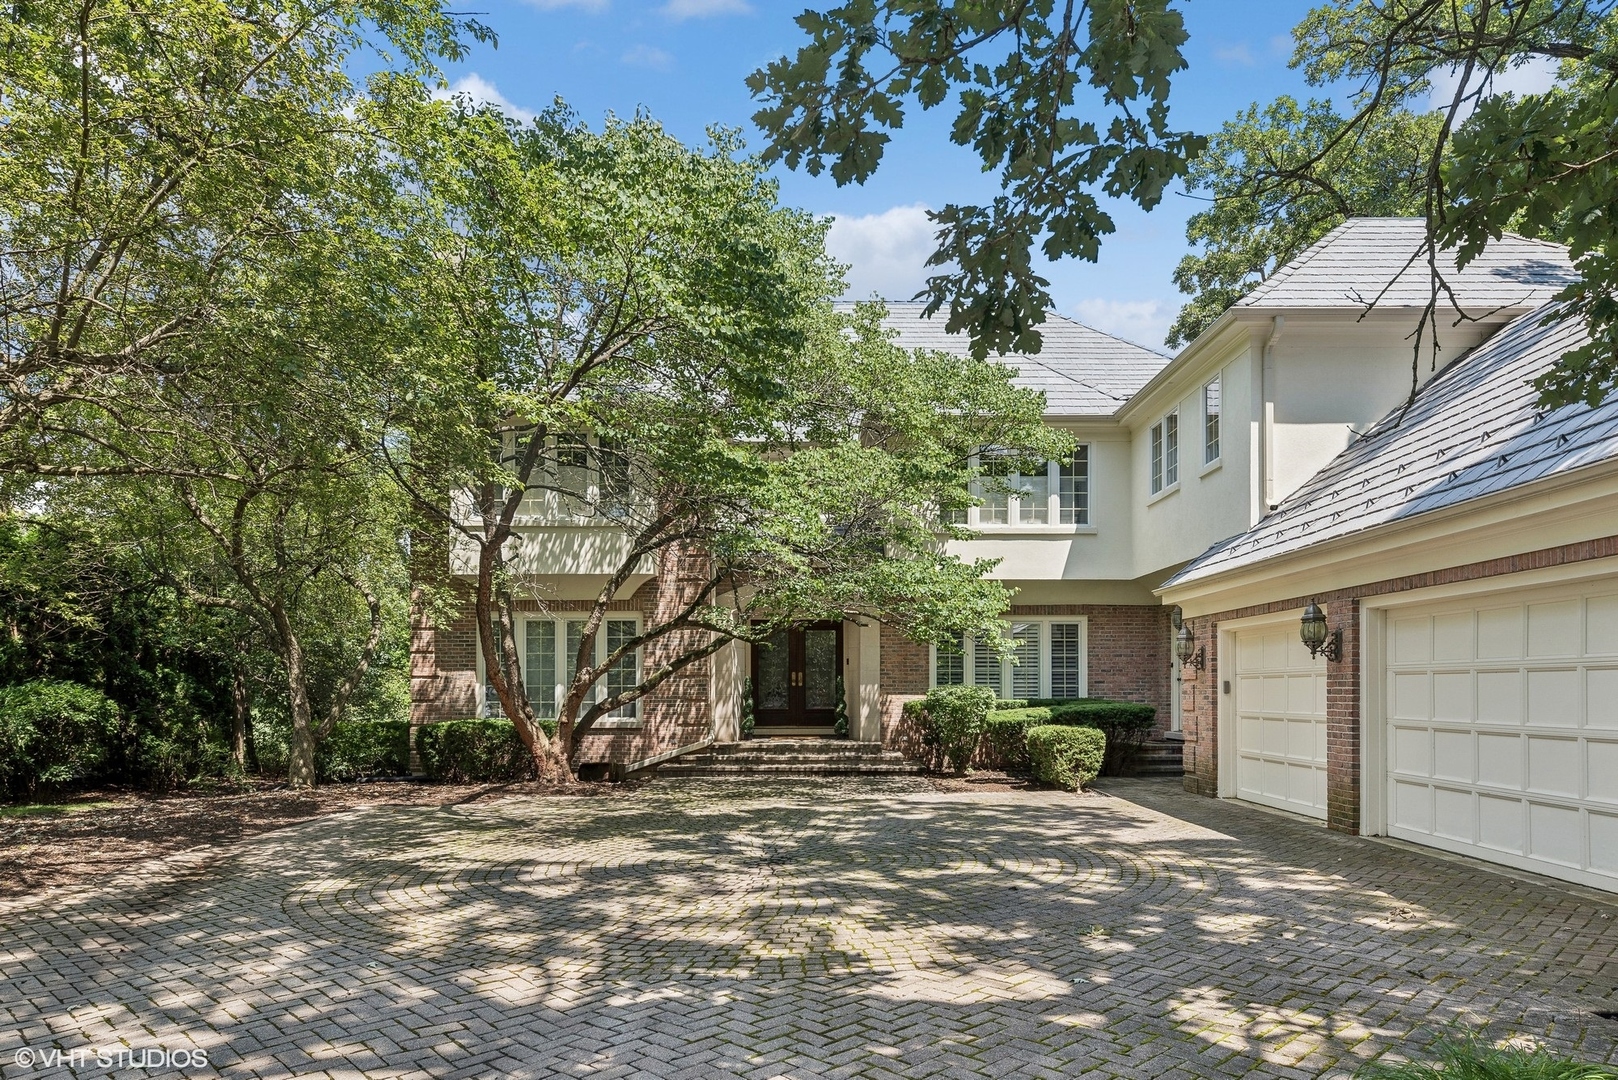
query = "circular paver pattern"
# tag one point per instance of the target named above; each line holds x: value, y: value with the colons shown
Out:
x: 805, y: 930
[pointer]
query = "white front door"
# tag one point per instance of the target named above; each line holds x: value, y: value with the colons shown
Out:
x: 1501, y: 729
x: 1280, y: 720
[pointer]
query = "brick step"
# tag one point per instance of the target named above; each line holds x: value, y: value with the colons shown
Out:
x: 1166, y: 758
x: 790, y: 768
x: 787, y: 757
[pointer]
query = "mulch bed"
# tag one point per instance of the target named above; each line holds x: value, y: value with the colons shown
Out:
x: 96, y: 834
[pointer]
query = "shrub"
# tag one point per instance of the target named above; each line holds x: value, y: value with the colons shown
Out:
x: 359, y: 749
x: 468, y: 751
x: 1004, y: 731
x: 953, y: 721
x: 53, y: 733
x: 1069, y: 757
x: 1125, y: 723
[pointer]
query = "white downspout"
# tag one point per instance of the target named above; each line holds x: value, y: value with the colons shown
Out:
x: 1267, y: 439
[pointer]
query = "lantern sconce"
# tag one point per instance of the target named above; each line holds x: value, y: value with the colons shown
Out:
x: 1176, y: 617
x: 1186, y: 648
x: 1316, y: 638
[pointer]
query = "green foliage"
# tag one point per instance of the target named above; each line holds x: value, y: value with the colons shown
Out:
x: 1470, y: 1057
x: 1065, y: 104
x: 1125, y: 724
x: 53, y: 733
x: 1005, y: 733
x: 474, y: 751
x: 361, y: 749
x: 1068, y: 757
x: 840, y: 710
x: 952, y: 720
x: 1278, y: 179
x: 749, y: 721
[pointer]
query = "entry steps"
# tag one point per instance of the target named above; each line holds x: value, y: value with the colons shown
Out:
x: 792, y: 757
x: 1160, y: 758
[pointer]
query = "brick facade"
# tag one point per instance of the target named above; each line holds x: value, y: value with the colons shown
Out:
x: 1200, y: 690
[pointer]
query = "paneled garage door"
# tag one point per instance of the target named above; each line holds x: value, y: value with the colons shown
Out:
x: 1502, y: 729
x: 1280, y: 721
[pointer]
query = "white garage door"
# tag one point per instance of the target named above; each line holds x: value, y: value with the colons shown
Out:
x: 1280, y: 721
x: 1502, y: 729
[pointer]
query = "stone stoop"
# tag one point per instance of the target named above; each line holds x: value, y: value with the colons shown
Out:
x: 792, y: 757
x: 1165, y: 757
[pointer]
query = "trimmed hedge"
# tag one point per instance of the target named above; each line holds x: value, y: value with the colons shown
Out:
x: 53, y: 733
x: 361, y: 749
x: 1064, y: 755
x: 1125, y: 724
x: 474, y: 751
x: 1005, y: 731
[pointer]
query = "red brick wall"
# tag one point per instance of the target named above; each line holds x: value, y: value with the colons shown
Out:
x: 1199, y: 707
x: 443, y: 662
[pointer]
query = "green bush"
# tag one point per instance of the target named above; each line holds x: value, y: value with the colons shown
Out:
x: 1125, y: 723
x: 1004, y: 732
x: 952, y: 722
x: 53, y: 733
x: 473, y: 751
x: 1069, y: 757
x: 1471, y: 1057
x: 360, y: 749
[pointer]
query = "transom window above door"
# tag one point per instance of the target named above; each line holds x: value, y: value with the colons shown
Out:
x: 1049, y: 660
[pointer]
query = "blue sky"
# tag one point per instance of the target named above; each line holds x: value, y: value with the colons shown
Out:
x: 685, y: 61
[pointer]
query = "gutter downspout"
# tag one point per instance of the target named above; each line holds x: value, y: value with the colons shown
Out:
x: 1267, y: 438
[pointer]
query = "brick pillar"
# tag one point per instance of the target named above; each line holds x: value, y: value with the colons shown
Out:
x: 1199, y: 712
x: 1343, y: 719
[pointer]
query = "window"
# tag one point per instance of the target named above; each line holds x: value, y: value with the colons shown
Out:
x: 1073, y: 488
x: 1047, y: 660
x: 1166, y: 452
x: 1060, y: 493
x: 547, y: 669
x: 1210, y: 422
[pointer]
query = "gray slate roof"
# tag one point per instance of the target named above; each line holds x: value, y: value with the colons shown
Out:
x: 1473, y: 430
x: 1352, y: 264
x: 1082, y: 372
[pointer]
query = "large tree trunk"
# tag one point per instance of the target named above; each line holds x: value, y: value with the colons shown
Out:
x: 301, y: 758
x: 503, y: 666
x: 240, y: 704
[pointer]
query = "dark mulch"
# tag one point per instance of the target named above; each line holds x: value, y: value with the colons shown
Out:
x: 988, y: 780
x: 96, y: 834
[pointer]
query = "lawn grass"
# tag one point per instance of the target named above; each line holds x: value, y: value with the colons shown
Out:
x: 1470, y: 1057
x: 50, y: 809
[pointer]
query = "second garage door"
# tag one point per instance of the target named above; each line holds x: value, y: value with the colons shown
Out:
x: 1280, y: 720
x: 1502, y: 729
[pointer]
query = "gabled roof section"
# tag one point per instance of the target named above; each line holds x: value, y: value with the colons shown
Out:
x: 1351, y: 266
x: 1475, y: 429
x: 1081, y: 371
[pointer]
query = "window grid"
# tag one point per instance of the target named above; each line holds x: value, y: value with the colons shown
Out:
x: 1171, y: 449
x: 1061, y: 493
x: 1157, y: 457
x: 1073, y: 488
x: 1047, y: 661
x: 547, y: 671
x: 1210, y: 421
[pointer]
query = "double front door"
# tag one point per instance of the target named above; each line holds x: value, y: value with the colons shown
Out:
x: 795, y: 676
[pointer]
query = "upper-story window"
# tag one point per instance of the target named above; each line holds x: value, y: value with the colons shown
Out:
x: 576, y: 475
x: 1057, y: 494
x: 1210, y: 422
x: 1166, y: 452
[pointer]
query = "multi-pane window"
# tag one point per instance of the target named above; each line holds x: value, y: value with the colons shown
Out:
x: 1073, y: 488
x: 574, y: 474
x: 1059, y: 492
x: 1210, y: 422
x: 1166, y: 452
x: 1046, y: 661
x: 550, y: 648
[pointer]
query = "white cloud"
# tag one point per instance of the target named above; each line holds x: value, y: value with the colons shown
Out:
x: 483, y: 92
x: 559, y: 5
x: 648, y: 56
x: 1238, y: 55
x: 886, y: 253
x: 705, y: 9
x: 1145, y: 322
x: 1534, y: 77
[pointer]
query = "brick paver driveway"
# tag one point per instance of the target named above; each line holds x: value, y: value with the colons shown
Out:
x: 806, y: 930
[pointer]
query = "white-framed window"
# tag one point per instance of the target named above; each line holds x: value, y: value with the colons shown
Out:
x: 549, y: 647
x: 1058, y: 494
x: 577, y: 475
x: 1210, y: 421
x: 1049, y: 660
x: 1166, y: 452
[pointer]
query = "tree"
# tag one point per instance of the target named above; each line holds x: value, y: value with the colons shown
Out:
x: 1062, y: 100
x: 1275, y: 188
x: 150, y: 151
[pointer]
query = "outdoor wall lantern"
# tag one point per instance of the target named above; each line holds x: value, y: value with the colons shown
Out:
x: 1187, y: 649
x: 1315, y: 636
x: 1176, y: 616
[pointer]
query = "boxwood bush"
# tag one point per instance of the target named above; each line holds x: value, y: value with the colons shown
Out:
x: 53, y: 733
x: 1064, y: 755
x: 1004, y: 732
x: 362, y: 749
x: 951, y: 721
x: 474, y: 751
x: 1125, y: 724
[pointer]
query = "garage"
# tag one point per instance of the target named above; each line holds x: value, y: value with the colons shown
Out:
x: 1500, y: 728
x: 1280, y: 720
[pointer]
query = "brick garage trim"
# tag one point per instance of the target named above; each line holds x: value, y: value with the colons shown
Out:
x: 1199, y: 697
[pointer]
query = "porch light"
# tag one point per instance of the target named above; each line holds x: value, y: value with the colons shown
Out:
x: 1187, y: 649
x: 1315, y: 636
x: 1176, y: 616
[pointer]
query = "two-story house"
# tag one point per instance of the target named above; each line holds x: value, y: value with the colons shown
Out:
x: 1203, y: 493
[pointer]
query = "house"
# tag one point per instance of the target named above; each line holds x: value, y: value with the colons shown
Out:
x: 1460, y: 542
